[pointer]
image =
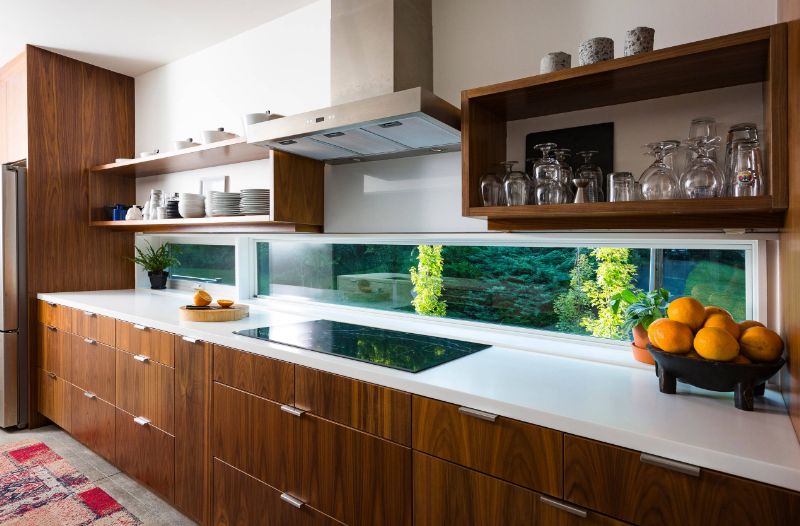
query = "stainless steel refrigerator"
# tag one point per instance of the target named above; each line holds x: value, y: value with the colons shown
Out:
x: 13, y: 307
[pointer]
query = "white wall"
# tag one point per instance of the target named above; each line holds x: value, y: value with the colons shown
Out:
x: 284, y: 65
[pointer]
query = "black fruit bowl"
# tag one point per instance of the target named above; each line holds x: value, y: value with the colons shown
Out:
x: 745, y: 380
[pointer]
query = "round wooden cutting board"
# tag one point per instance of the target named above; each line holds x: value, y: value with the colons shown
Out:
x: 233, y: 313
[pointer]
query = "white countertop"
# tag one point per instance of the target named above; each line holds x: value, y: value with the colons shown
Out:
x: 610, y: 403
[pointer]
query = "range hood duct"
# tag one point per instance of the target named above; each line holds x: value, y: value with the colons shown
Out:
x: 381, y: 82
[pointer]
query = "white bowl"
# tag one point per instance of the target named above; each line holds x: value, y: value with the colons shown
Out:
x: 217, y: 135
x: 187, y: 210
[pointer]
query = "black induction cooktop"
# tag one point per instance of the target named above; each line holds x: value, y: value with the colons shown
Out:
x: 395, y: 349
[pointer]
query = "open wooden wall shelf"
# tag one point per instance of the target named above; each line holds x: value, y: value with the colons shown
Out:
x: 255, y: 223
x: 759, y: 55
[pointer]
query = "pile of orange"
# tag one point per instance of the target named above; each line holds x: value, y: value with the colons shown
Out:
x: 711, y: 333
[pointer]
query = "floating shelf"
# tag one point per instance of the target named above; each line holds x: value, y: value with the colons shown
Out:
x: 230, y: 151
x: 259, y: 223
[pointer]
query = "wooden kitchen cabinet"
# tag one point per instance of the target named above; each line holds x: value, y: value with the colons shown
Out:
x: 368, y: 407
x: 53, y: 351
x: 55, y: 315
x: 93, y: 367
x: 259, y: 375
x: 93, y: 326
x: 158, y: 346
x: 621, y: 483
x: 192, y: 435
x: 53, y: 398
x: 146, y: 389
x: 522, y: 453
x: 93, y: 422
x: 146, y: 454
x: 242, y: 500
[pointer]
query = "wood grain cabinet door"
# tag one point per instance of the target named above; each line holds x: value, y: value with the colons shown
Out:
x: 93, y: 422
x: 53, y: 398
x: 55, y: 315
x: 446, y: 494
x: 354, y: 477
x: 93, y: 367
x: 522, y: 453
x: 259, y: 375
x: 146, y: 453
x: 158, y: 346
x: 93, y: 326
x: 242, y: 500
x: 53, y: 351
x: 368, y: 407
x: 648, y: 491
x: 146, y: 389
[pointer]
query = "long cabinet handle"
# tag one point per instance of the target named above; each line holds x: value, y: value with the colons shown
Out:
x: 142, y: 421
x: 89, y: 314
x: 90, y: 341
x: 294, y: 501
x: 673, y: 465
x: 140, y: 327
x: 141, y: 358
x: 90, y: 395
x: 563, y: 506
x: 190, y: 340
x: 50, y: 375
x: 475, y: 413
x: 292, y: 410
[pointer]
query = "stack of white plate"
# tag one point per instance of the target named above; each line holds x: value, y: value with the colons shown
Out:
x: 191, y: 205
x: 255, y: 201
x: 223, y: 203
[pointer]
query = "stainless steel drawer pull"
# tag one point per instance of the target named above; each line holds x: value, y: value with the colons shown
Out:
x: 292, y: 410
x: 475, y: 413
x: 90, y: 341
x: 89, y: 314
x: 141, y: 358
x: 90, y: 395
x: 51, y: 328
x: 140, y: 327
x: 190, y: 340
x: 294, y: 501
x: 563, y: 506
x: 52, y: 376
x: 673, y: 465
x: 142, y: 421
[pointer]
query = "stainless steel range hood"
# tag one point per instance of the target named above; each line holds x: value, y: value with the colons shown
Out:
x: 381, y: 79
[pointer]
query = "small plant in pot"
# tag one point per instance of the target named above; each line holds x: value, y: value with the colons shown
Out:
x: 640, y: 310
x: 156, y: 261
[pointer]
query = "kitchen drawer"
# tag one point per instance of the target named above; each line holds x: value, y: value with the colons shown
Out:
x: 53, y: 398
x: 93, y: 367
x: 146, y: 453
x: 259, y: 375
x: 648, y: 491
x: 447, y: 494
x: 254, y: 435
x: 93, y: 326
x: 53, y: 351
x: 158, y: 346
x: 354, y: 477
x: 146, y: 388
x: 241, y: 500
x: 55, y: 315
x: 93, y: 422
x: 524, y: 454
x: 368, y: 407
x: 554, y: 512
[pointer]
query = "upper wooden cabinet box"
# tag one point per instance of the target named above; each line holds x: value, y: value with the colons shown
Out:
x: 156, y: 345
x: 93, y: 326
x: 93, y: 367
x: 651, y: 491
x: 53, y: 351
x: 55, y: 315
x: 259, y: 375
x: 377, y: 410
x: 524, y: 454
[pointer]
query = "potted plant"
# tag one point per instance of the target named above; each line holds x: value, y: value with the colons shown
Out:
x: 640, y: 310
x: 155, y: 261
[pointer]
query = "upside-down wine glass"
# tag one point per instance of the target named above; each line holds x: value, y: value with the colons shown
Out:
x: 589, y: 170
x: 702, y: 178
x: 658, y: 181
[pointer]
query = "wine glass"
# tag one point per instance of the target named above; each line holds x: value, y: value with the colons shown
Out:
x: 549, y: 190
x: 589, y: 170
x: 517, y: 185
x: 747, y: 170
x: 562, y: 154
x: 682, y: 155
x: 491, y: 189
x: 702, y: 179
x: 658, y: 181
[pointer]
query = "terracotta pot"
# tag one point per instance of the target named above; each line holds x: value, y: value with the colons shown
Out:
x: 640, y: 338
x: 641, y: 354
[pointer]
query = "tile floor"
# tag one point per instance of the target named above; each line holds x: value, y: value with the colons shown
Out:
x: 149, y: 508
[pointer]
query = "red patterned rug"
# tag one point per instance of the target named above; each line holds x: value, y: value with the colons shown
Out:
x: 38, y: 487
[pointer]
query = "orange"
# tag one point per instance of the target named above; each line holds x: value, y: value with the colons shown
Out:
x: 742, y: 359
x: 761, y: 344
x: 687, y: 310
x: 717, y: 310
x: 722, y: 321
x: 713, y: 343
x: 202, y: 298
x: 670, y: 336
x: 746, y: 324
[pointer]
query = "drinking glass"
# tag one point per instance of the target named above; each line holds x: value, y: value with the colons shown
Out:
x: 589, y: 170
x: 658, y: 181
x: 702, y: 179
x: 744, y: 131
x: 621, y: 187
x: 747, y: 171
x: 491, y: 189
x: 517, y: 185
x: 562, y: 154
x: 549, y: 190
